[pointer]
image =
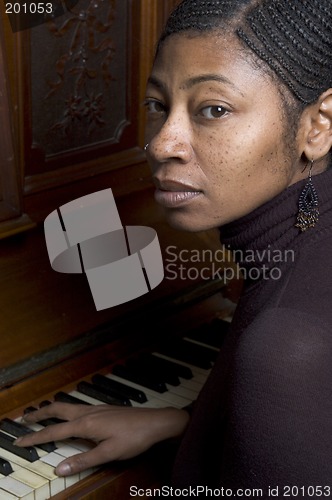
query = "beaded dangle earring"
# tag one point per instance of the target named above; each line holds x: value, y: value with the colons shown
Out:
x: 308, y: 205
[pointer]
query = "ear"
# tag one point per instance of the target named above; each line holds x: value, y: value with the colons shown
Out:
x: 317, y: 127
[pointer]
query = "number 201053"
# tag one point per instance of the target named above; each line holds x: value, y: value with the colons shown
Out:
x: 29, y: 8
x: 310, y: 491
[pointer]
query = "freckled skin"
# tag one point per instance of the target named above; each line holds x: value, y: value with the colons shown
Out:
x: 238, y: 159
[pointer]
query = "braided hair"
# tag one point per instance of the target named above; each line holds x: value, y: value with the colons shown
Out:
x: 293, y: 37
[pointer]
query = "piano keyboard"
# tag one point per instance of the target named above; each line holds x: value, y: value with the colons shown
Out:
x: 171, y: 376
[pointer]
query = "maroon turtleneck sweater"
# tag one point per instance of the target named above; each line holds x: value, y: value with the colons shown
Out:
x: 264, y: 418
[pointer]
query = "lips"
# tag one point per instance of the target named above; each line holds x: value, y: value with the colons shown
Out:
x: 172, y: 194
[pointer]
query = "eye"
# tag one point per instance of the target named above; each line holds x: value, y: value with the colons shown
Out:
x: 213, y: 112
x: 154, y: 107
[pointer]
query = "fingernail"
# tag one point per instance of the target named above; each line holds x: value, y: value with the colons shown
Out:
x: 18, y: 440
x: 63, y: 470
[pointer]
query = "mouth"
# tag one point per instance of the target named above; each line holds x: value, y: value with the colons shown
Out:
x: 172, y: 194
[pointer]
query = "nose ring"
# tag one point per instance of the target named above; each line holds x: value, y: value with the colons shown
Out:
x: 146, y: 147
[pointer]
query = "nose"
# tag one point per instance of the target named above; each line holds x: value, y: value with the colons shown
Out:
x: 172, y: 141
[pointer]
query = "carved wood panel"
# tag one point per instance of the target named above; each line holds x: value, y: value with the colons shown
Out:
x: 82, y: 74
x: 77, y: 85
x: 82, y: 89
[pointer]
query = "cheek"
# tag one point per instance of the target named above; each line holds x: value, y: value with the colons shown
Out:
x: 247, y: 167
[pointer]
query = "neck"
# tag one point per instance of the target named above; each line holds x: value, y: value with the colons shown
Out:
x: 267, y: 237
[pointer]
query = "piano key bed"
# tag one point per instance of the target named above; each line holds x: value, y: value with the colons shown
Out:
x: 173, y: 375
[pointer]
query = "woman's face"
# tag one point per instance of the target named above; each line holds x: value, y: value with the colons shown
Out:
x: 218, y: 146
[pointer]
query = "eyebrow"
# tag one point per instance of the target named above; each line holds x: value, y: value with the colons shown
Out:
x: 196, y: 80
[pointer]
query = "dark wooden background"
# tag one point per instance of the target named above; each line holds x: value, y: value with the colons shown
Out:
x: 72, y: 123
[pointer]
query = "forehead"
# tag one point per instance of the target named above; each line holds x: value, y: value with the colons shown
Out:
x: 185, y: 56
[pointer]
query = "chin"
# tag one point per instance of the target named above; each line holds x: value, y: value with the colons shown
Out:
x: 185, y: 222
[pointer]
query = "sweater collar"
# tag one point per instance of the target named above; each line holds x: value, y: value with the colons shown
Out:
x: 267, y: 237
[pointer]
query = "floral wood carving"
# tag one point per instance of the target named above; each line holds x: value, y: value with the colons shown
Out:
x: 90, y: 34
x: 80, y: 83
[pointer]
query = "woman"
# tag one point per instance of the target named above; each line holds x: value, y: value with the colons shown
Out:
x: 239, y: 106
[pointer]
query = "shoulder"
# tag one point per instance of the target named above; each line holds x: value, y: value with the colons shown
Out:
x: 285, y: 326
x: 305, y: 282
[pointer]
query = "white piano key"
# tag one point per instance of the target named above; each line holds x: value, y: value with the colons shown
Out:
x: 16, y: 488
x: 70, y: 480
x: 82, y: 444
x: 84, y: 397
x: 197, y: 342
x: 182, y: 391
x: 150, y: 403
x: 191, y: 384
x: 39, y: 484
x: 77, y: 444
x: 57, y: 484
x: 52, y: 459
x: 5, y: 495
x: 88, y: 472
x: 33, y: 426
x: 66, y: 450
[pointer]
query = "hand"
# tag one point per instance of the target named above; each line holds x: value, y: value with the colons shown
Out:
x: 119, y: 432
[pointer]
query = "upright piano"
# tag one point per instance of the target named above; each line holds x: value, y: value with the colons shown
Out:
x: 156, y: 350
x: 53, y: 341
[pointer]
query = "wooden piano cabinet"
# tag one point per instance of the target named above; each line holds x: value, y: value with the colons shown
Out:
x: 172, y: 320
x: 47, y: 317
x: 71, y: 105
x: 52, y: 336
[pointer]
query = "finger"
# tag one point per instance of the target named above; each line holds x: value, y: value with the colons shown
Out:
x: 87, y: 460
x: 64, y: 411
x: 50, y: 433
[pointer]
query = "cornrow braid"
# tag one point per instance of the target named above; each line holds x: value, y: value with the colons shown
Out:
x: 293, y: 37
x: 281, y: 35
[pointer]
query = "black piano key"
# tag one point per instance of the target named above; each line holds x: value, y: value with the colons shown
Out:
x: 28, y: 453
x: 16, y: 429
x: 29, y: 409
x: 63, y: 397
x: 97, y: 392
x: 181, y: 370
x: 49, y: 421
x: 119, y: 388
x: 151, y: 367
x: 191, y: 353
x: 212, y: 334
x: 219, y: 326
x: 148, y: 382
x: 5, y: 467
x: 45, y: 402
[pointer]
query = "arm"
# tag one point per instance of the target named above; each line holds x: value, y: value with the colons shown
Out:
x: 283, y: 400
x: 119, y: 432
